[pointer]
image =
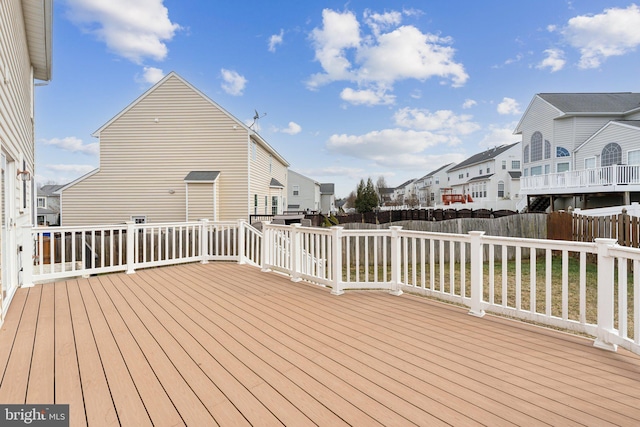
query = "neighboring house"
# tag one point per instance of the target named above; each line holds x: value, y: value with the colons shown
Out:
x: 25, y: 55
x: 581, y: 149
x: 328, y: 198
x: 303, y: 193
x: 403, y: 193
x: 491, y: 178
x: 429, y: 186
x: 48, y: 205
x: 175, y: 155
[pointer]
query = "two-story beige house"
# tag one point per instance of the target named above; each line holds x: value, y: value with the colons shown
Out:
x: 175, y: 155
x: 25, y: 56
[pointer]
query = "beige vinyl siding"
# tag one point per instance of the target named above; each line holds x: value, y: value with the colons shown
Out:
x: 626, y: 137
x: 201, y: 201
x: 142, y: 159
x: 264, y: 167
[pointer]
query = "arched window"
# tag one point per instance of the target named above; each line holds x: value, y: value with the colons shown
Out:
x: 536, y: 147
x: 547, y: 149
x: 500, y: 188
x: 562, y: 152
x: 611, y: 155
x: 526, y: 154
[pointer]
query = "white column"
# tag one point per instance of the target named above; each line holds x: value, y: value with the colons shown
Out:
x: 265, y: 249
x: 27, y: 255
x: 396, y: 260
x: 476, y: 273
x: 131, y: 246
x: 605, y: 295
x: 296, y: 252
x: 336, y: 260
x: 204, y: 241
x: 242, y: 244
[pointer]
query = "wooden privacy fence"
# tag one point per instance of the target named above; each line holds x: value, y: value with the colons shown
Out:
x: 582, y: 228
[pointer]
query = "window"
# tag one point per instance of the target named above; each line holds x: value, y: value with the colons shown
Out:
x: 526, y: 171
x: 488, y: 170
x: 467, y: 174
x: 633, y: 157
x: 504, y: 165
x: 255, y: 204
x: 547, y: 149
x: 437, y: 180
x: 611, y: 155
x: 139, y: 219
x: 266, y: 204
x: 562, y: 167
x: 484, y: 189
x: 480, y: 173
x: 536, y: 147
x: 547, y: 169
x: 274, y: 205
x: 526, y: 154
x: 536, y: 170
x: 515, y: 164
x: 590, y: 163
x: 296, y: 190
x: 42, y: 202
x: 562, y: 152
x: 461, y: 176
x: 433, y: 196
x: 500, y: 188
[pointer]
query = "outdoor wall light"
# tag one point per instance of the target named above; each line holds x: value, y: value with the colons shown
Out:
x: 171, y: 191
x: 24, y: 175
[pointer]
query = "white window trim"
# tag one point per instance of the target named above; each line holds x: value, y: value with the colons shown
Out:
x: 595, y: 164
x: 139, y: 219
x: 563, y: 163
x: 629, y: 152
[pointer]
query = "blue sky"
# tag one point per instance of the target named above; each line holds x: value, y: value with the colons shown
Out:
x: 346, y: 90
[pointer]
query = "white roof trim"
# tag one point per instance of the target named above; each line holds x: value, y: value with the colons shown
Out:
x: 518, y: 131
x: 77, y: 180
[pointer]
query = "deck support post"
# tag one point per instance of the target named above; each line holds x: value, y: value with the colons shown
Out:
x: 396, y: 261
x: 26, y: 255
x: 605, y: 295
x: 242, y: 246
x: 476, y: 273
x: 296, y: 252
x: 266, y: 247
x: 336, y: 260
x: 204, y: 241
x: 131, y: 246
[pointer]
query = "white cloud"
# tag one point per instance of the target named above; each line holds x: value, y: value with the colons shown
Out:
x: 367, y: 97
x: 292, y: 129
x: 76, y: 169
x: 151, y: 75
x: 554, y: 60
x: 468, y: 103
x: 389, y: 54
x: 443, y: 122
x: 73, y: 144
x: 509, y: 106
x: 275, y: 40
x: 133, y: 29
x: 499, y: 135
x: 233, y: 83
x: 614, y: 32
x: 335, y: 171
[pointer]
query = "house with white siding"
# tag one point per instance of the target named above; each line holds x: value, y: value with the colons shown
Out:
x: 25, y: 56
x: 581, y: 150
x: 48, y: 205
x: 491, y: 178
x: 430, y: 186
x: 174, y: 154
x: 303, y: 193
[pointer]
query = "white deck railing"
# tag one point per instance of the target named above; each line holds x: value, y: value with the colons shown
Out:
x: 61, y: 252
x: 608, y: 176
x: 592, y: 288
x: 543, y: 281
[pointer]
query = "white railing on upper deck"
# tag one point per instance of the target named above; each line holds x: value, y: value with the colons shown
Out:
x: 563, y: 284
x: 586, y: 178
x: 60, y: 252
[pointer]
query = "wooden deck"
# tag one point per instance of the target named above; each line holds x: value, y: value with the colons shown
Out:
x: 227, y: 344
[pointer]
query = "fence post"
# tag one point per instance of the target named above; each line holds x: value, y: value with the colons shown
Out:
x: 296, y: 252
x: 204, y: 241
x: 396, y: 260
x: 131, y: 246
x: 27, y: 256
x: 605, y: 295
x: 242, y: 249
x: 336, y: 260
x: 476, y: 273
x: 265, y: 248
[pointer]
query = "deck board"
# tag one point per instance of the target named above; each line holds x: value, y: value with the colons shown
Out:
x: 230, y: 345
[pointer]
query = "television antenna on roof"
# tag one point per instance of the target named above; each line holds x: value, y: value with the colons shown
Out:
x: 256, y: 117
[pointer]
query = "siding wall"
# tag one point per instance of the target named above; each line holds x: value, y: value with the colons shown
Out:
x: 142, y: 159
x: 201, y: 201
x: 540, y: 118
x: 626, y: 137
x: 309, y: 196
x: 264, y: 167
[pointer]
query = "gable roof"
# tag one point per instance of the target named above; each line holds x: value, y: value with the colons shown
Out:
x: 202, y: 176
x: 275, y: 183
x: 483, y: 157
x: 252, y: 134
x: 49, y: 190
x: 633, y: 124
x: 604, y: 103
x: 404, y: 184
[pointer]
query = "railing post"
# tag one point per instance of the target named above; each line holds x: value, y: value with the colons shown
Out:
x: 476, y: 273
x: 242, y: 249
x: 204, y: 241
x: 605, y: 295
x: 296, y: 252
x: 27, y: 256
x: 396, y: 260
x: 131, y: 246
x: 265, y: 249
x: 336, y: 260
